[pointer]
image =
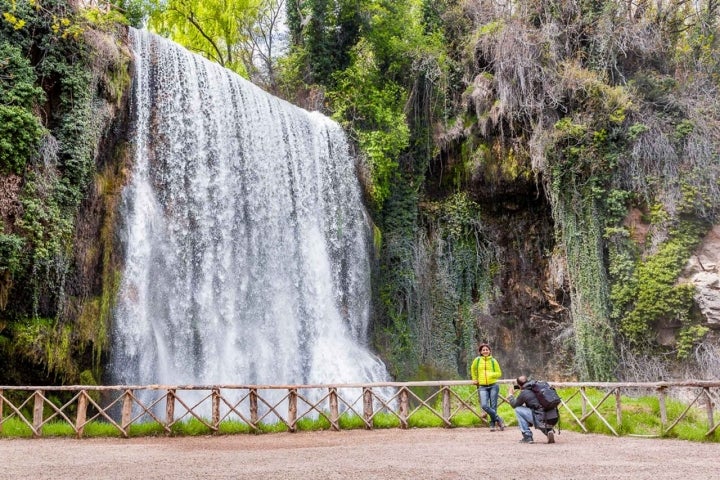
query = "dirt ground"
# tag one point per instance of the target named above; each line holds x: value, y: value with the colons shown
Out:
x: 460, y: 453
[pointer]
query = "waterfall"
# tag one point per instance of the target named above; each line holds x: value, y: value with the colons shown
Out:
x: 246, y: 243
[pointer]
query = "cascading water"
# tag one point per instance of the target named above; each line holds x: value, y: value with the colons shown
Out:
x: 246, y: 243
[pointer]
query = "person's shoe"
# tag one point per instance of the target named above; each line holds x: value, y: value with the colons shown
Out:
x: 501, y: 425
x: 492, y: 428
x: 527, y: 439
x: 551, y: 436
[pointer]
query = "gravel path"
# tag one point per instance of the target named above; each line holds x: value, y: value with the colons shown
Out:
x: 462, y: 453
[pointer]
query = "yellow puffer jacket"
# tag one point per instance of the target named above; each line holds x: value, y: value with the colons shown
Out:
x: 485, y: 370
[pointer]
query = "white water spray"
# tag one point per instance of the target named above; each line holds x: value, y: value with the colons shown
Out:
x: 246, y: 243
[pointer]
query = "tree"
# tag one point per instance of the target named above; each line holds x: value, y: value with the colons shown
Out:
x: 216, y: 29
x: 326, y: 30
x: 266, y: 40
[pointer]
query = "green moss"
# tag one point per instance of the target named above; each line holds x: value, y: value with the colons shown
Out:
x: 45, y: 343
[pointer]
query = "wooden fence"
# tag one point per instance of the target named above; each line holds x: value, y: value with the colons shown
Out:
x: 255, y: 405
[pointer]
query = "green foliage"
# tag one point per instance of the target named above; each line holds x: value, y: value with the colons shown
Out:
x: 653, y: 293
x: 683, y: 129
x: 215, y: 29
x: 17, y: 79
x: 570, y: 130
x: 44, y: 223
x: 616, y: 205
x: 49, y: 200
x: 581, y: 230
x: 11, y: 250
x: 689, y: 337
x: 46, y: 66
x: 330, y: 34
x: 45, y: 343
x: 326, y: 31
x: 636, y: 129
x: 373, y: 110
x: 20, y: 128
x: 645, y: 290
x: 135, y: 11
x: 588, y: 145
x: 20, y: 134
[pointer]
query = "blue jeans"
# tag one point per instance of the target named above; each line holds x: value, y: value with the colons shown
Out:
x: 525, y: 419
x: 488, y: 395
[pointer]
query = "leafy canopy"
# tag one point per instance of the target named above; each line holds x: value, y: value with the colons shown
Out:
x: 216, y: 29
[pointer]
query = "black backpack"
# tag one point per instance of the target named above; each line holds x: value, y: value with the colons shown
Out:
x: 549, y: 400
x: 546, y: 395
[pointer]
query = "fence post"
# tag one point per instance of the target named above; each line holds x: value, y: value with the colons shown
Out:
x: 1, y: 410
x: 81, y: 413
x: 170, y: 408
x: 215, y: 409
x: 663, y: 408
x: 292, y: 409
x: 368, y: 407
x: 253, y: 408
x: 446, y: 405
x: 334, y: 413
x: 618, y: 407
x: 126, y: 411
x: 709, y: 402
x: 38, y: 413
x: 404, y: 407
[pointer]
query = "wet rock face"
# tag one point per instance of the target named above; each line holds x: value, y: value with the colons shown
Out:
x: 703, y: 271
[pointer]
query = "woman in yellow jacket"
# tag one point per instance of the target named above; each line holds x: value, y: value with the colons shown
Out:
x: 485, y: 370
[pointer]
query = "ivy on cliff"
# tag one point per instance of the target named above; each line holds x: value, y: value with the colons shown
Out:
x: 43, y: 43
x: 646, y: 292
x: 20, y: 128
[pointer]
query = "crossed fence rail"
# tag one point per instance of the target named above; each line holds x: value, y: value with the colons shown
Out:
x: 122, y: 406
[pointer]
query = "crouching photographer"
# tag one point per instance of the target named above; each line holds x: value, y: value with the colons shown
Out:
x: 530, y: 412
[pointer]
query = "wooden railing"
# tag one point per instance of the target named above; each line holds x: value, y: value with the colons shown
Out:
x: 256, y: 405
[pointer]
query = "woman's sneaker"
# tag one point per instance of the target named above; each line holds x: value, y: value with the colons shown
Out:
x: 551, y: 436
x: 501, y: 424
x: 527, y: 439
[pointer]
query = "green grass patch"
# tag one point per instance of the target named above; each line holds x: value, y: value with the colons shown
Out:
x: 104, y: 429
x: 640, y: 416
x: 313, y: 424
x: 465, y: 419
x: 191, y: 427
x: 146, y: 429
x: 14, y: 427
x: 231, y: 427
x: 350, y: 422
x: 424, y: 418
x: 58, y: 429
x: 272, y: 427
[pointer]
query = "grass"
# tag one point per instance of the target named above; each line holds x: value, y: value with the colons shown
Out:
x: 640, y: 417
